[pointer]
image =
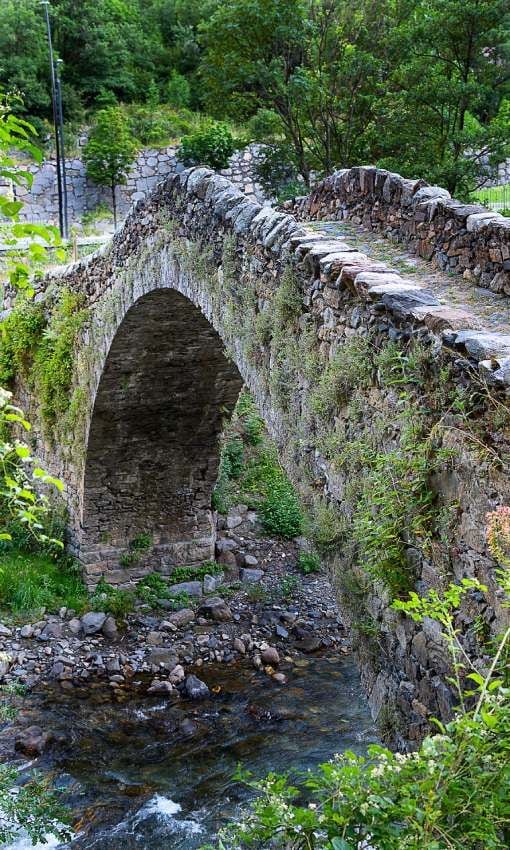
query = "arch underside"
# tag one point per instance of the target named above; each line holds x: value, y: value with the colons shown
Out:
x: 153, y: 449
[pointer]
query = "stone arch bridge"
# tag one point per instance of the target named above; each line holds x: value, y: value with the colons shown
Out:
x: 201, y: 291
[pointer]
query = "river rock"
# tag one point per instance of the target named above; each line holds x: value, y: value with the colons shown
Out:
x: 158, y: 687
x: 109, y: 628
x: 5, y: 663
x: 177, y: 675
x: 180, y: 618
x: 27, y: 631
x: 239, y: 646
x: 4, y: 631
x: 74, y: 626
x: 249, y: 576
x: 195, y: 688
x: 192, y: 588
x: 250, y: 561
x: 32, y: 741
x: 216, y: 609
x: 93, y: 622
x: 212, y: 583
x: 269, y: 655
x: 163, y: 657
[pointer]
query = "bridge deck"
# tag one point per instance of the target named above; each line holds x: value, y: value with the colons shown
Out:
x: 451, y: 289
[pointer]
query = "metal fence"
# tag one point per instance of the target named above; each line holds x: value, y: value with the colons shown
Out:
x: 495, y: 198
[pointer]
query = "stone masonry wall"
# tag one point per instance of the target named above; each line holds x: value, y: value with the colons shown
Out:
x: 150, y: 167
x: 463, y: 238
x: 389, y: 411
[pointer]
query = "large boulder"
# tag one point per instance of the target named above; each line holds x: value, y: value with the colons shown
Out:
x: 93, y: 622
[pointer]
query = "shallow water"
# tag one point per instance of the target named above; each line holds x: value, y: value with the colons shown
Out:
x: 141, y: 772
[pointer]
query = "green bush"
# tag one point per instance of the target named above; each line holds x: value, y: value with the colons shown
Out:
x: 213, y: 146
x: 161, y: 125
x: 280, y: 511
x: 31, y: 581
x: 112, y: 600
x: 308, y: 562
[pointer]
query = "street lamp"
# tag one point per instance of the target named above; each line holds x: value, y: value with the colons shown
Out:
x: 56, y: 100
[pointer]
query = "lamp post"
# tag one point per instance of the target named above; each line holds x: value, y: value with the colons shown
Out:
x: 55, y: 100
x: 60, y: 116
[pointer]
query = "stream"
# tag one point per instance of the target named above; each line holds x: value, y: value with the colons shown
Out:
x: 139, y: 771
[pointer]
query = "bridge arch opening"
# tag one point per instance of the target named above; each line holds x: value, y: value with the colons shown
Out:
x: 153, y: 446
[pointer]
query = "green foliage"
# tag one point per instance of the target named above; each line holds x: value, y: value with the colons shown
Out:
x: 34, y: 807
x: 138, y: 547
x: 213, y: 146
x: 210, y: 568
x: 110, y: 151
x: 111, y: 599
x: 350, y: 369
x: 21, y: 501
x: 21, y: 334
x: 395, y: 510
x: 451, y: 794
x: 326, y: 526
x: 308, y: 562
x: 178, y: 90
x: 153, y: 588
x: 280, y: 511
x: 31, y: 581
x: 53, y: 364
x: 160, y: 125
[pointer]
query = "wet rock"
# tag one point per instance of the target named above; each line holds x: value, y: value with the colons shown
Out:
x: 192, y: 588
x: 177, y: 675
x: 280, y: 677
x: 158, y: 687
x: 239, y: 646
x: 249, y: 576
x: 93, y: 622
x: 281, y: 632
x: 269, y: 655
x: 195, y: 688
x: 33, y: 741
x: 216, y: 609
x: 109, y: 628
x: 188, y: 727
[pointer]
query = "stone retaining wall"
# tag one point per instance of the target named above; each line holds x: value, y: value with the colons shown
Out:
x: 349, y: 365
x: 150, y: 167
x: 463, y: 238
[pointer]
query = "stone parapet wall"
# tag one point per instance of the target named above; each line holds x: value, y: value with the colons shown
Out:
x: 349, y: 364
x: 463, y: 238
x: 150, y: 167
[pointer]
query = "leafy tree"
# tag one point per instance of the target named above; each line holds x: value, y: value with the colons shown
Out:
x: 110, y: 151
x: 441, y: 112
x: 213, y: 145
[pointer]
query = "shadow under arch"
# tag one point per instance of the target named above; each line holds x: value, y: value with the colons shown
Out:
x: 153, y: 446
